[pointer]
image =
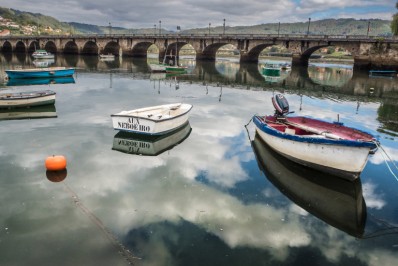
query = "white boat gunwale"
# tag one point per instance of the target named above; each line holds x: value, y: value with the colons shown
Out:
x: 314, y: 139
x: 152, y: 108
x: 25, y: 95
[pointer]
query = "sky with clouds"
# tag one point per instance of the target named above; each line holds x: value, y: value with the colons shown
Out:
x: 198, y: 14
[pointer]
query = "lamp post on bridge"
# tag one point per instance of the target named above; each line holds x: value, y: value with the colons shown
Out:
x: 110, y: 29
x: 223, y: 28
x: 160, y: 27
x: 308, y: 29
x: 279, y: 27
x: 154, y: 28
x: 209, y: 27
x: 367, y: 33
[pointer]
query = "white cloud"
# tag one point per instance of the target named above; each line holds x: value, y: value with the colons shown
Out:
x: 374, y: 200
x: 192, y: 14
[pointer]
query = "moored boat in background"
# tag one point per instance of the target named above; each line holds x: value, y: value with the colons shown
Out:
x: 40, y: 72
x: 382, y: 73
x: 43, y: 62
x: 26, y: 99
x: 107, y: 57
x: 42, y: 54
x: 271, y: 69
x: 329, y: 147
x: 40, y: 81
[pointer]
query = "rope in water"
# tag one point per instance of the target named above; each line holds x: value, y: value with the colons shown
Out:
x: 383, y: 154
x: 248, y: 134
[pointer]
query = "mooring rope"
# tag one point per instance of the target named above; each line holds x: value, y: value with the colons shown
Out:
x: 248, y: 134
x: 383, y: 154
x: 388, y: 230
x: 125, y: 252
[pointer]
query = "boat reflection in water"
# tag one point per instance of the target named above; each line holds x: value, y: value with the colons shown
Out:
x: 334, y: 200
x: 34, y: 112
x: 43, y: 62
x: 134, y: 143
x: 40, y: 81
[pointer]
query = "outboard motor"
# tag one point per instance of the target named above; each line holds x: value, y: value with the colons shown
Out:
x: 281, y: 105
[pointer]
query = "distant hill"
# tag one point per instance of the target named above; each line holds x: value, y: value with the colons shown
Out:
x: 347, y: 26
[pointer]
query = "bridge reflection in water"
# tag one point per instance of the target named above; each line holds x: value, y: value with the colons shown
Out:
x: 317, y: 78
x: 338, y: 82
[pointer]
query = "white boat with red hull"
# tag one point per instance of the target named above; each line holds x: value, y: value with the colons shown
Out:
x: 329, y: 147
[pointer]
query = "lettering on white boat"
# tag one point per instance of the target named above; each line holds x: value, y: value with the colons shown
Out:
x: 131, y: 120
x: 134, y: 146
x: 133, y: 126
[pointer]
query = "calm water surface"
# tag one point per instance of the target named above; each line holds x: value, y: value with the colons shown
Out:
x: 219, y: 197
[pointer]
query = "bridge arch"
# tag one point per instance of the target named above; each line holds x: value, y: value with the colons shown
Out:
x: 210, y: 51
x: 33, y: 46
x: 254, y: 53
x: 172, y: 50
x: 50, y: 47
x: 111, y: 48
x: 7, y: 47
x: 71, y: 48
x: 90, y: 48
x: 140, y: 49
x: 305, y: 56
x: 20, y: 47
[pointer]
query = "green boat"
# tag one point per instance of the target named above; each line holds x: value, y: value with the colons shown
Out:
x: 271, y: 69
x: 176, y: 69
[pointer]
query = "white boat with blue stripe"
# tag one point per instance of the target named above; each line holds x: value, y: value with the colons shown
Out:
x: 329, y: 147
x: 155, y: 120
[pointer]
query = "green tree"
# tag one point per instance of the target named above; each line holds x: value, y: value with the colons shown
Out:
x: 394, y: 22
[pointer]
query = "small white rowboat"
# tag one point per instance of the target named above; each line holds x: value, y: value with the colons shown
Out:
x: 26, y: 99
x: 155, y: 120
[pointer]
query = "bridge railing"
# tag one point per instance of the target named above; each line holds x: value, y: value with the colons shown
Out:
x: 210, y: 36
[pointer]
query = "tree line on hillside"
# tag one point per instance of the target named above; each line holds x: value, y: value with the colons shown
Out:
x: 394, y: 22
x: 45, y: 25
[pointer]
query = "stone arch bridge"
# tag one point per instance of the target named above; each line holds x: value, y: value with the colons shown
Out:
x: 367, y: 52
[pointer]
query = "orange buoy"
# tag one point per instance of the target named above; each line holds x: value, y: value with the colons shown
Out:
x: 55, y: 163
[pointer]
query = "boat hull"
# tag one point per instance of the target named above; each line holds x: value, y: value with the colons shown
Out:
x: 40, y: 81
x: 36, y: 112
x: 382, y: 73
x: 175, y: 69
x: 334, y: 200
x: 272, y: 72
x: 157, y: 67
x: 152, y: 124
x: 167, y: 68
x: 43, y: 56
x: 40, y: 73
x: 27, y: 99
x: 139, y: 144
x: 107, y: 57
x: 329, y: 156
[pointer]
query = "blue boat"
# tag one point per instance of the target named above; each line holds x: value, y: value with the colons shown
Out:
x: 382, y: 73
x: 40, y: 81
x: 40, y: 72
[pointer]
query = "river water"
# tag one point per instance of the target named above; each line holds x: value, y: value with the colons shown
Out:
x: 210, y: 194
